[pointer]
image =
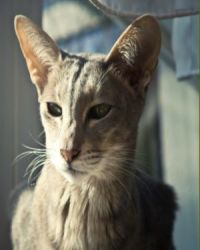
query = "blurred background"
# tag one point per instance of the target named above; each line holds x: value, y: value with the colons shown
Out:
x: 168, y: 141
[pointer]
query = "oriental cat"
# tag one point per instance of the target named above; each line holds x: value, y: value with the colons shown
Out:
x: 90, y: 195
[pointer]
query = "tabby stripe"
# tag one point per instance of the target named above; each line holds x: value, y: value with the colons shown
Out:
x: 76, y: 76
x: 85, y: 76
x: 80, y: 84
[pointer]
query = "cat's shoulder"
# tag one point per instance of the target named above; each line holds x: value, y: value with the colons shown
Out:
x: 157, y: 208
x: 157, y: 198
x: 15, y: 195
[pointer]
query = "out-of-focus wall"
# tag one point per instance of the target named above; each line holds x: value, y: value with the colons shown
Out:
x: 18, y: 105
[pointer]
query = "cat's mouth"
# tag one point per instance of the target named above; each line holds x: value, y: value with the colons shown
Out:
x: 70, y: 172
x: 81, y: 167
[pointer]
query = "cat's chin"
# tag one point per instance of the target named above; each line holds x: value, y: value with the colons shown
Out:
x: 72, y: 175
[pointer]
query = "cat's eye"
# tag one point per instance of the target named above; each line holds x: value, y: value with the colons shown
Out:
x: 54, y: 109
x: 99, y: 111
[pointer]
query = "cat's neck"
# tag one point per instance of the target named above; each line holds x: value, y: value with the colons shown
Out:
x: 91, y: 206
x: 114, y: 190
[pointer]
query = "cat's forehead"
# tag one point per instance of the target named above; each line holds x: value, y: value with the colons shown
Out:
x: 93, y: 65
x: 78, y: 73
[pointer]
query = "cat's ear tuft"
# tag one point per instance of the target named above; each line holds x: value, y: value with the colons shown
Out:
x: 39, y: 50
x: 134, y: 56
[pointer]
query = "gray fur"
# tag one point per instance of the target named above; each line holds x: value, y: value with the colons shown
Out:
x: 107, y: 203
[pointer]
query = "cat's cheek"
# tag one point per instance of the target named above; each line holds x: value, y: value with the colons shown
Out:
x: 56, y: 159
x: 61, y: 167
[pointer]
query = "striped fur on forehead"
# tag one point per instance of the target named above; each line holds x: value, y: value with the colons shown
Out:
x: 80, y: 73
x: 75, y: 72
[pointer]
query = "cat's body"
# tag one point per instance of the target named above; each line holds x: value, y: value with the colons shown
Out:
x: 90, y: 195
x: 96, y: 216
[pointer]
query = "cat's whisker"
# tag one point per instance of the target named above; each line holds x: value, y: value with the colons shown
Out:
x: 32, y: 166
x: 36, y: 141
x: 31, y: 179
x: 125, y: 155
x: 28, y: 172
x: 130, y: 172
x: 34, y: 149
x: 41, y: 133
x: 35, y: 162
x: 129, y: 151
x: 31, y: 171
x: 35, y: 166
x: 130, y: 162
x: 126, y: 169
x: 26, y: 154
x: 22, y: 155
x: 30, y: 176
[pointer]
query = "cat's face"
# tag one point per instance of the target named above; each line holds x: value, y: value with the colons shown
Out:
x: 90, y: 105
x: 86, y: 109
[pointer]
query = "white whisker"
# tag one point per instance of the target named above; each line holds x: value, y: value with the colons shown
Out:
x: 39, y: 157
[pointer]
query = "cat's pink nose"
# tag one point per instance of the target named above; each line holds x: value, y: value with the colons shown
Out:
x: 69, y: 155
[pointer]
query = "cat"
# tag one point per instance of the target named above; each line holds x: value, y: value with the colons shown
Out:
x: 90, y: 195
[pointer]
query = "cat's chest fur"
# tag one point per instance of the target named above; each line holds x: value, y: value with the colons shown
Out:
x: 87, y: 217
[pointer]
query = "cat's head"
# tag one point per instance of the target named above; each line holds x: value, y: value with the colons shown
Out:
x: 90, y: 104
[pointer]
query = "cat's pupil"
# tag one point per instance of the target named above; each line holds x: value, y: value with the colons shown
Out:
x: 54, y: 109
x: 99, y: 111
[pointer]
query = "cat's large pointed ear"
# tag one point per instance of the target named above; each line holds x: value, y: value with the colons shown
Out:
x: 39, y: 50
x: 135, y: 54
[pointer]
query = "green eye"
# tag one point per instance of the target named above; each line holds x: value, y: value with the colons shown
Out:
x: 54, y: 109
x: 99, y: 111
